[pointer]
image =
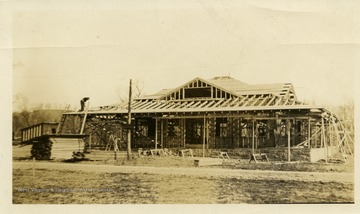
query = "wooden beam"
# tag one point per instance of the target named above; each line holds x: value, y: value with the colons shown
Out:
x: 146, y: 105
x: 209, y: 104
x: 142, y: 104
x: 272, y: 99
x: 207, y: 134
x: 234, y: 101
x: 189, y: 104
x: 249, y: 100
x: 182, y: 105
x: 152, y: 105
x: 204, y: 133
x: 129, y: 122
x: 256, y: 100
x: 163, y: 104
x: 156, y: 132
x: 288, y: 128
x: 263, y: 101
x: 171, y: 105
x: 324, y: 139
x: 253, y: 136
x: 184, y: 133
x: 218, y: 103
x: 224, y: 103
x: 278, y: 102
x: 309, y: 133
x: 162, y: 134
x: 136, y: 104
x: 286, y: 101
x: 83, y: 124
x: 196, y: 104
x: 204, y: 103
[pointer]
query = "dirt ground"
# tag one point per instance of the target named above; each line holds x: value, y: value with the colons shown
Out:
x: 69, y: 183
x: 172, y: 180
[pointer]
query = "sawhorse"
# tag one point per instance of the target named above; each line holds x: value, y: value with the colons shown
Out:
x: 184, y: 151
x: 256, y: 157
x: 224, y: 155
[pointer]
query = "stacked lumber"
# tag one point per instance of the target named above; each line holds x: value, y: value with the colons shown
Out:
x: 100, y: 155
x: 63, y: 148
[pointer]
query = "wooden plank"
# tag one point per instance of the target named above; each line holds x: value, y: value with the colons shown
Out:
x: 249, y: 100
x: 189, y: 104
x: 242, y: 100
x: 136, y: 104
x: 156, y: 132
x: 203, y: 104
x: 196, y: 104
x: 171, y: 105
x: 256, y: 100
x: 204, y: 135
x: 154, y: 106
x: 147, y: 105
x: 234, y: 101
x: 217, y: 104
x: 141, y: 104
x: 286, y: 101
x: 209, y: 104
x: 309, y: 133
x: 182, y: 105
x: 263, y: 101
x: 288, y: 127
x: 278, y: 102
x: 163, y: 104
x: 272, y: 99
x: 225, y: 103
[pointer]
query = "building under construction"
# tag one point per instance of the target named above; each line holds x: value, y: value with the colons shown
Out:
x: 213, y: 115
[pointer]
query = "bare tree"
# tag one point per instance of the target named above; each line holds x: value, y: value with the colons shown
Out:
x: 23, y: 112
x: 138, y: 88
x: 23, y: 115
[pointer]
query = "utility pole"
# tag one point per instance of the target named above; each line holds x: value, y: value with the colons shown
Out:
x: 129, y: 124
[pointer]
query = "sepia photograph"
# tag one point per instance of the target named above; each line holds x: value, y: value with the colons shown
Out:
x: 187, y: 106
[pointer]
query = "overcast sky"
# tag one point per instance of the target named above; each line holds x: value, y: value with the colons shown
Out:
x: 62, y: 55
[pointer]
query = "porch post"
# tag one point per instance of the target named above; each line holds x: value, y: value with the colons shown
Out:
x: 330, y: 134
x: 309, y: 133
x: 288, y: 127
x: 204, y: 132
x: 207, y: 134
x: 156, y: 132
x: 324, y: 138
x: 162, y: 134
x: 253, y: 136
x: 184, y: 132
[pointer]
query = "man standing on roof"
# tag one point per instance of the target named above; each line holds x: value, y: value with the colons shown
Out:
x: 82, y: 103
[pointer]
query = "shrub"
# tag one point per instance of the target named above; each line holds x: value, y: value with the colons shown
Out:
x: 41, y: 150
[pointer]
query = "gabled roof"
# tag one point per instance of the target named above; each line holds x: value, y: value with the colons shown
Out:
x: 235, y: 96
x: 165, y: 92
x: 228, y: 83
x: 234, y: 87
x: 158, y: 95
